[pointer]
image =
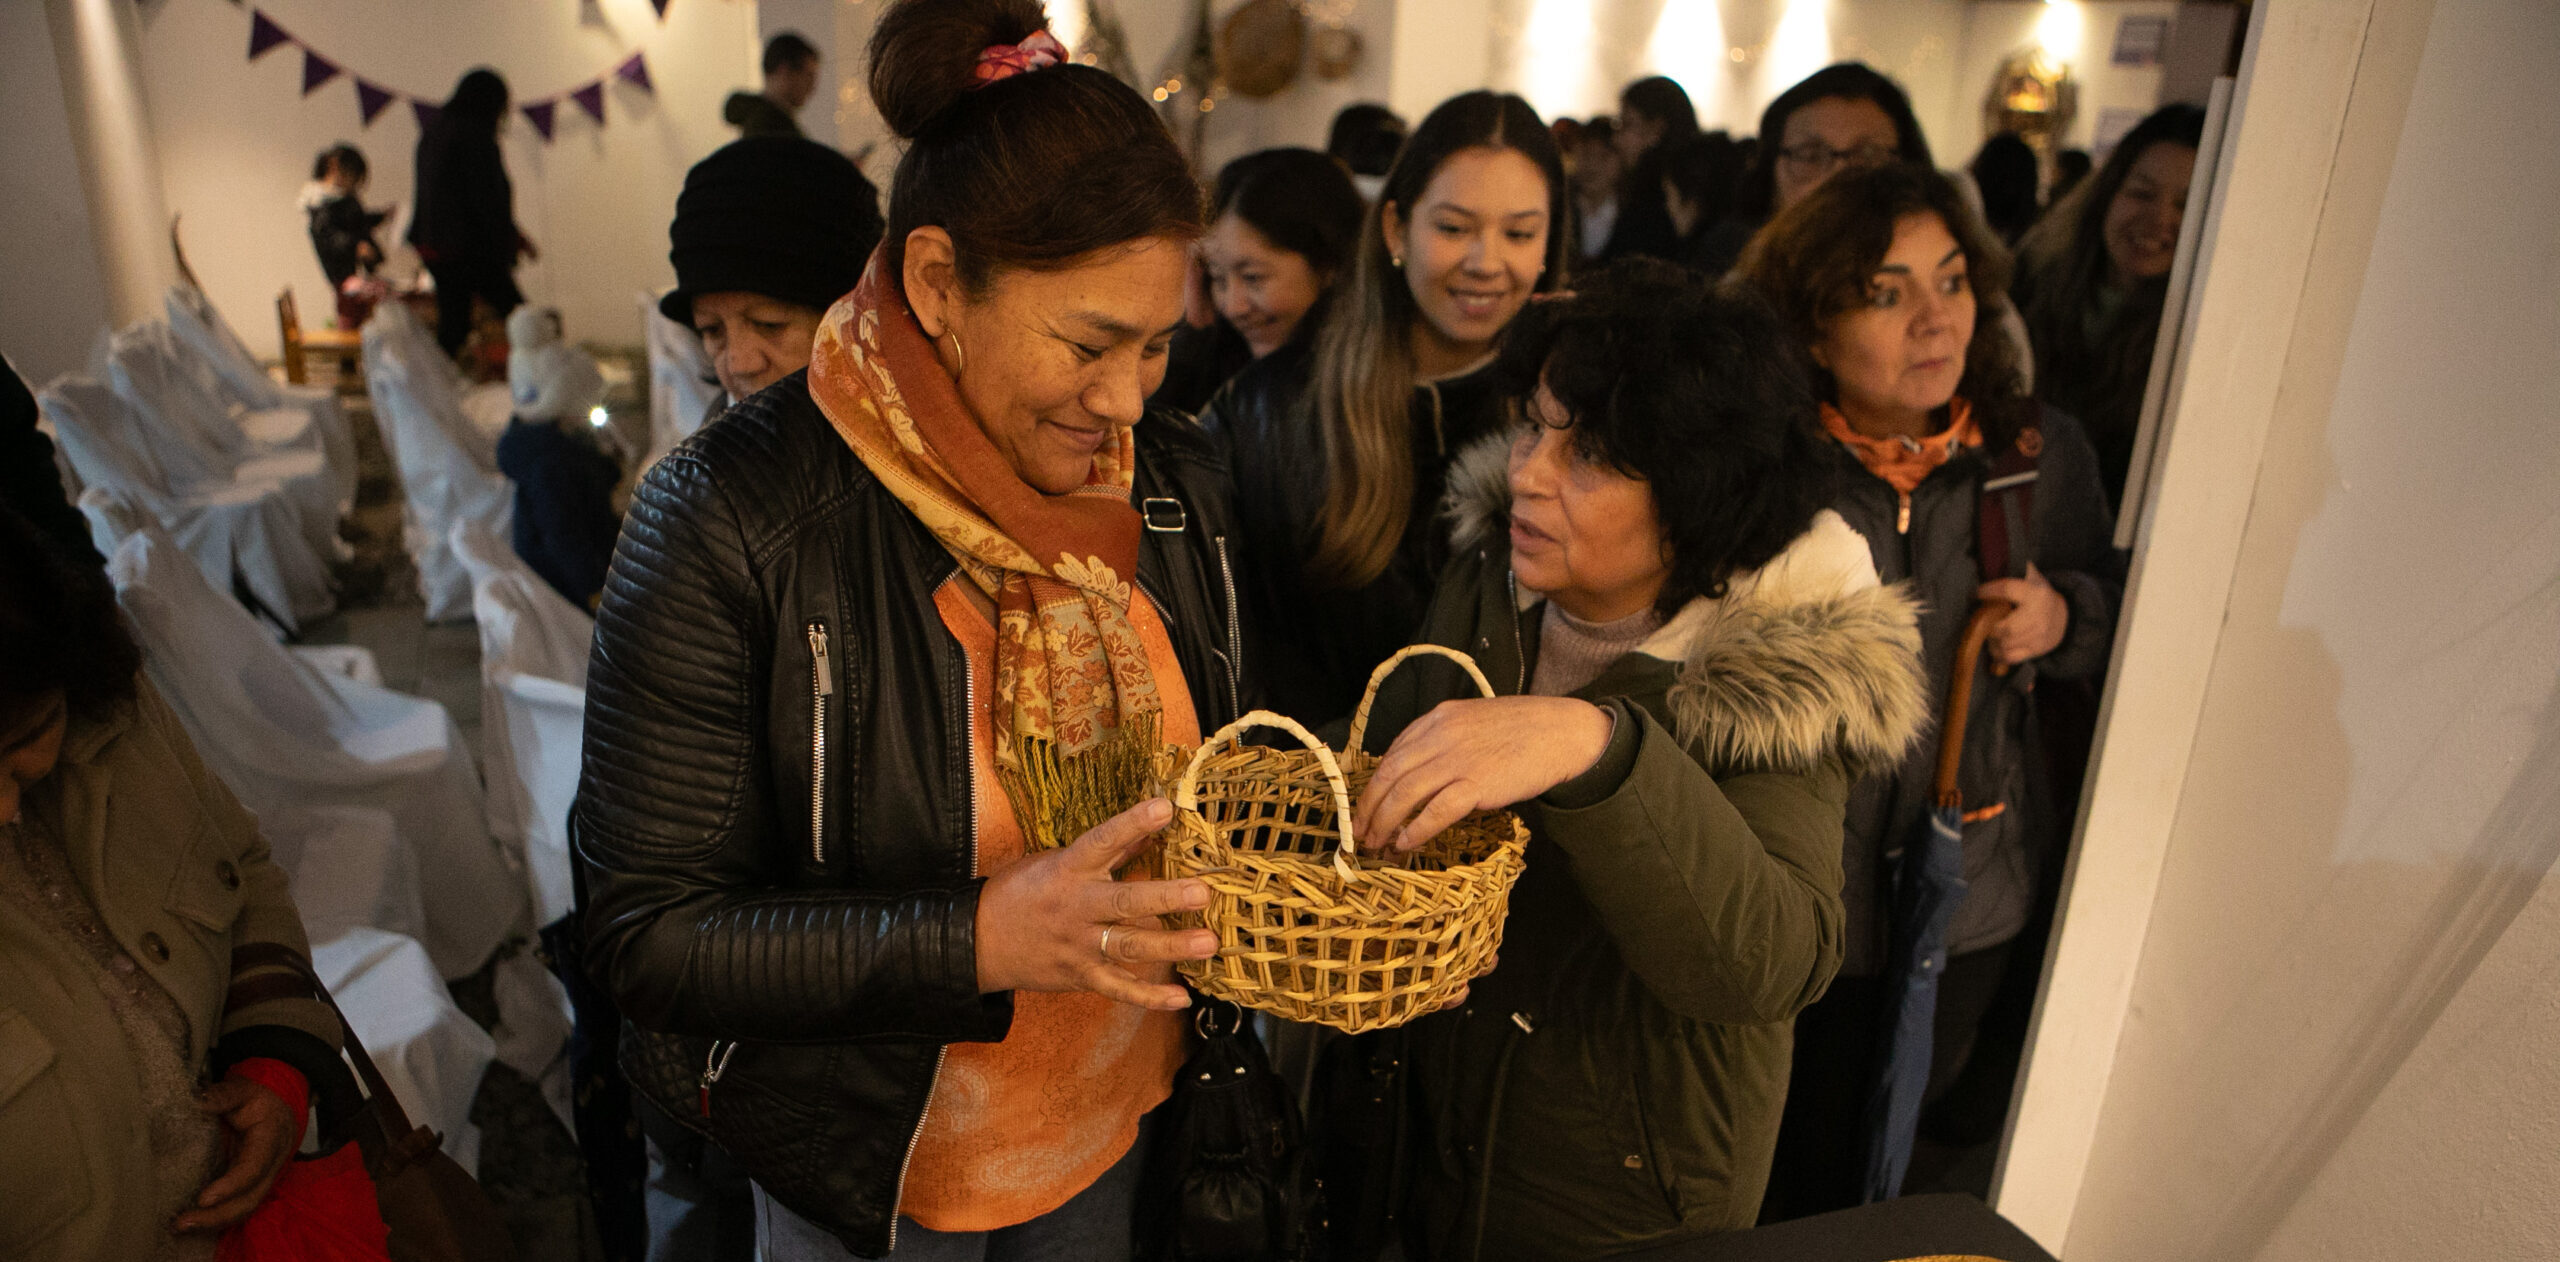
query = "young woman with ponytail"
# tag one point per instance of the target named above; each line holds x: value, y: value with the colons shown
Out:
x: 1340, y: 451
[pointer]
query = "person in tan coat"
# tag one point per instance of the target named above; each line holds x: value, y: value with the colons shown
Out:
x: 157, y: 1046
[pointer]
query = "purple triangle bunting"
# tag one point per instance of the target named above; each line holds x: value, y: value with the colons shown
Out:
x: 591, y: 99
x: 542, y: 114
x: 635, y: 72
x: 426, y: 112
x: 316, y: 70
x: 372, y: 100
x: 264, y: 34
x: 661, y: 7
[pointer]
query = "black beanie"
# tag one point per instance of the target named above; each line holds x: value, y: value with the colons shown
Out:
x: 774, y: 215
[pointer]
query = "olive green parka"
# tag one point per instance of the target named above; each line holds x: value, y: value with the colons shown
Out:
x: 1616, y: 1081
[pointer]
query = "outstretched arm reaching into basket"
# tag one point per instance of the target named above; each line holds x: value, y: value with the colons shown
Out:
x: 1480, y: 754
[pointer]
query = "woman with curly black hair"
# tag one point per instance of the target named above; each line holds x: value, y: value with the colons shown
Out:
x: 1890, y: 288
x: 1694, y: 659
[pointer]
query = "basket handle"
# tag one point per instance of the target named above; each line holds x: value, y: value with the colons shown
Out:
x: 1186, y: 793
x: 1360, y: 717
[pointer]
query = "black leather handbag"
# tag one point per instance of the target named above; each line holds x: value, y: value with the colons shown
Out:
x: 1228, y: 1178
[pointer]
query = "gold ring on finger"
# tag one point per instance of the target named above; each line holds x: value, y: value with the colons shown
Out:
x: 1106, y: 942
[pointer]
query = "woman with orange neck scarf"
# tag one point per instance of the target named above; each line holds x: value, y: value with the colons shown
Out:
x: 840, y: 625
x: 1894, y: 288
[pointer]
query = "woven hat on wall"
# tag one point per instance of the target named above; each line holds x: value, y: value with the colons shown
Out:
x: 1260, y: 46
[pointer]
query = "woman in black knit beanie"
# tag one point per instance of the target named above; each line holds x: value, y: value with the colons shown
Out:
x: 769, y: 232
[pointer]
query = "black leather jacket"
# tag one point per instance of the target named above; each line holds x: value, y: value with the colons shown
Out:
x: 1323, y: 644
x: 775, y: 820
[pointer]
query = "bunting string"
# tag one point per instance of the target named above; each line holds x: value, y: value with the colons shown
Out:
x: 372, y: 98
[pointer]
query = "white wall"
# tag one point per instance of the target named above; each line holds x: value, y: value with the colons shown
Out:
x: 1570, y: 57
x: 53, y: 296
x: 2340, y: 1041
x: 236, y: 139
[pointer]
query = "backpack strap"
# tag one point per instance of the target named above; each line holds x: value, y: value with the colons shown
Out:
x: 2007, y: 509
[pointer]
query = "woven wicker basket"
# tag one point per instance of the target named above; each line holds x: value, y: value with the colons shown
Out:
x: 1307, y: 928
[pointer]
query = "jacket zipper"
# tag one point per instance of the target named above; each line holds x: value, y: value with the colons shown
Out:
x: 1519, y: 646
x: 714, y: 1065
x: 822, y: 685
x: 1235, y: 631
x: 969, y: 727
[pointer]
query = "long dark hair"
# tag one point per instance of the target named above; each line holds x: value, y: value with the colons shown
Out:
x: 1817, y: 258
x: 1664, y: 101
x: 1036, y: 170
x: 1364, y: 376
x: 1847, y: 80
x: 2004, y: 171
x: 59, y: 626
x: 1300, y: 200
x: 1695, y: 392
x: 2063, y: 259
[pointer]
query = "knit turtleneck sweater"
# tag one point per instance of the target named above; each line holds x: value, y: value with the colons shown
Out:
x: 1572, y: 652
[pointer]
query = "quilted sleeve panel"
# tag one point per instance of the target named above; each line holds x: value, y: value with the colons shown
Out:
x: 690, y: 918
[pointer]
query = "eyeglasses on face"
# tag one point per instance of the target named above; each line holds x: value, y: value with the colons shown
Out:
x: 1813, y: 155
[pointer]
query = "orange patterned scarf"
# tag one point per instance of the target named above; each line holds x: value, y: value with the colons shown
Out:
x: 1905, y: 463
x: 1070, y: 669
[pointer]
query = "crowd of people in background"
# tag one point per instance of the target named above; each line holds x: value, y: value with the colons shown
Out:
x: 1708, y: 447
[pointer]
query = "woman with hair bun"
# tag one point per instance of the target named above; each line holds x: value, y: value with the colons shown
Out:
x: 1340, y: 456
x: 839, y: 621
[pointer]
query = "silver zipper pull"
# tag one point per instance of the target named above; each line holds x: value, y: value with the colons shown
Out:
x: 826, y: 666
x: 714, y: 1065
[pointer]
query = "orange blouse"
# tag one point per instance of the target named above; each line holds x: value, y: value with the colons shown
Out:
x: 1018, y: 1128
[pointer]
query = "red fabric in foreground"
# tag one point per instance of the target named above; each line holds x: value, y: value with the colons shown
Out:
x: 322, y: 1209
x: 281, y: 1078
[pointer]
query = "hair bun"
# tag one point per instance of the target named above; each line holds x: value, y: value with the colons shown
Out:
x: 924, y: 53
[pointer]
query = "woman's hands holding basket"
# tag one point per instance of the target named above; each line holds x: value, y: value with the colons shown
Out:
x: 1476, y: 755
x: 1057, y: 921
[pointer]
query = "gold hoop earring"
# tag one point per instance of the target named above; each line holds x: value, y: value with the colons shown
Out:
x: 958, y: 354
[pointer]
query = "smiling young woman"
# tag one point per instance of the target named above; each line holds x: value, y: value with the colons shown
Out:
x: 1340, y: 455
x: 2092, y: 276
x: 1282, y: 225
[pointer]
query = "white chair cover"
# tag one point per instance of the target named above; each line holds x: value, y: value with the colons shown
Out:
x: 533, y: 671
x: 417, y: 401
x: 202, y: 331
x: 533, y: 678
x: 287, y: 738
x: 243, y: 536
x: 349, y: 870
x: 428, y: 1051
x: 681, y: 387
x: 209, y: 439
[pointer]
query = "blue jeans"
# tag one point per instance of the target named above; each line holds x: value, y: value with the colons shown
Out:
x: 1091, y: 1227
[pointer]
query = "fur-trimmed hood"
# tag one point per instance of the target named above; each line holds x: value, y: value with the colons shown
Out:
x: 1809, y: 655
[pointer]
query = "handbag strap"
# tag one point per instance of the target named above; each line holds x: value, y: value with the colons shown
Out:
x: 2006, y: 509
x: 378, y: 1094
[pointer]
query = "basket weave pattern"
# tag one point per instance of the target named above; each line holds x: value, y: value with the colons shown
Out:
x: 1308, y: 929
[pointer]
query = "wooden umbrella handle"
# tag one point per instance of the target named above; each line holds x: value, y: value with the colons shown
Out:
x: 1977, y: 632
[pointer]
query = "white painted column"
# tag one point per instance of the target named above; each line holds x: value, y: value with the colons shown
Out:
x: 96, y: 46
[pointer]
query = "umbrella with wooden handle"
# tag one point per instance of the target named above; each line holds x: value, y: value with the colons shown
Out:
x: 1927, y: 882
